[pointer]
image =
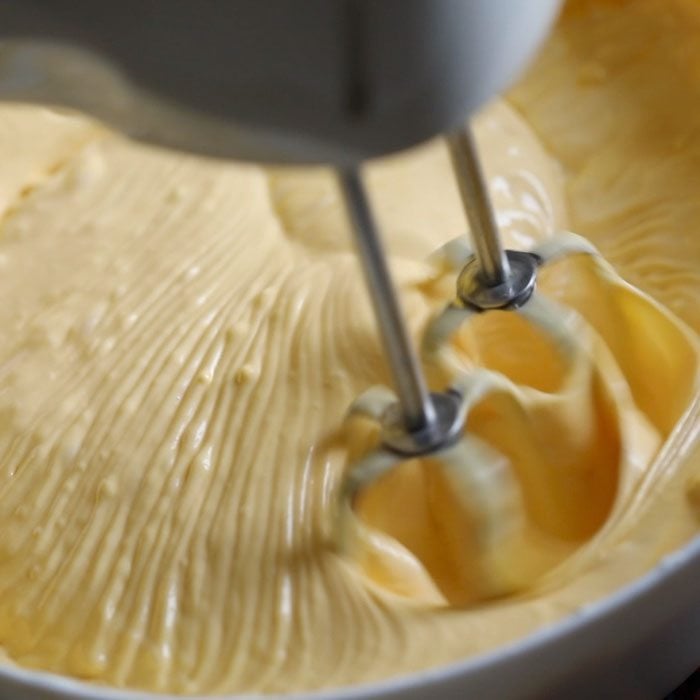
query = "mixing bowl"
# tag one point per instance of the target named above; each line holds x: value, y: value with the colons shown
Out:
x: 636, y: 644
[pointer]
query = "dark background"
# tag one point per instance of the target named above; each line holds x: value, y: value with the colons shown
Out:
x: 690, y: 690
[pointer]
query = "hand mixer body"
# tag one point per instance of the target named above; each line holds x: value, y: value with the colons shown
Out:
x: 273, y: 80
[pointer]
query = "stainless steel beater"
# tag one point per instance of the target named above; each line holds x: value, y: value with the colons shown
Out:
x: 421, y: 422
x: 418, y: 425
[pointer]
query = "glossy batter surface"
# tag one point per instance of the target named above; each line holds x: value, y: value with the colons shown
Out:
x: 180, y: 340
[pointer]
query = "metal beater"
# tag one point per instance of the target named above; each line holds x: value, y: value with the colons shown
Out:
x: 422, y: 422
x: 416, y: 424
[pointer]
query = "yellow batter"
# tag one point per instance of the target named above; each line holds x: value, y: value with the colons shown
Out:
x: 180, y: 339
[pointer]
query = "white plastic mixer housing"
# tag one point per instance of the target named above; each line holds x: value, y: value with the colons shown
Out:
x: 334, y: 81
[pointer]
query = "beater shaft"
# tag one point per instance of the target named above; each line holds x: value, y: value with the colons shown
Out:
x: 494, y: 268
x: 494, y: 278
x: 416, y: 403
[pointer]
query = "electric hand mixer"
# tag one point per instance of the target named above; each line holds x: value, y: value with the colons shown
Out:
x: 319, y: 81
